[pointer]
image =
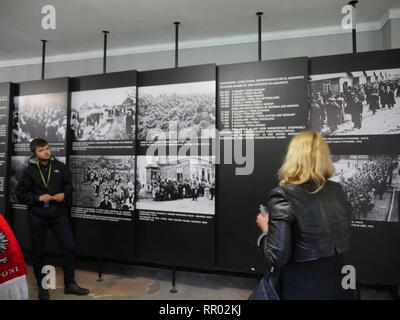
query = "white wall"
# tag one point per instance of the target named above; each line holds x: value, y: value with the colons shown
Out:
x: 387, y: 38
x: 387, y: 35
x: 395, y: 33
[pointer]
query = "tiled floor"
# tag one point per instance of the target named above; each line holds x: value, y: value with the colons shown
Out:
x: 144, y: 283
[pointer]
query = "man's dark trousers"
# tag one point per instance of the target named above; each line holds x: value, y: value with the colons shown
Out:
x: 61, y: 228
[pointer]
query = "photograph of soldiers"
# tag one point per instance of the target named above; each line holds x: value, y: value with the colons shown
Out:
x: 18, y: 165
x: 372, y: 185
x: 106, y: 114
x: 355, y: 103
x: 180, y: 184
x: 180, y: 111
x: 104, y: 182
x: 40, y: 115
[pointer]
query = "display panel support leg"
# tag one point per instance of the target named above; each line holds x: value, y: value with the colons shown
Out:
x: 259, y: 14
x: 354, y: 30
x: 176, y: 23
x: 43, y: 57
x: 100, y: 270
x: 398, y: 292
x: 173, y: 289
x: 105, y: 32
x: 357, y: 292
x: 395, y: 292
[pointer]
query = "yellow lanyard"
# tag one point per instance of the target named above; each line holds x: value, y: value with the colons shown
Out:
x: 46, y: 183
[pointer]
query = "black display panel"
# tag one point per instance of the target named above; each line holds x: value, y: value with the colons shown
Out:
x: 153, y: 184
x: 238, y: 203
x: 102, y: 162
x: 6, y: 100
x: 261, y: 105
x: 40, y: 109
x: 176, y: 166
x: 355, y: 103
x: 265, y: 97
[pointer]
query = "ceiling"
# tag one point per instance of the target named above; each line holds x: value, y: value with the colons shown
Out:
x: 148, y: 24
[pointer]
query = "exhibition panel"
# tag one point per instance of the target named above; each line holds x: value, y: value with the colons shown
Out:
x: 6, y: 93
x: 40, y: 110
x: 176, y: 166
x: 266, y: 101
x: 170, y: 166
x: 102, y: 163
x: 355, y: 104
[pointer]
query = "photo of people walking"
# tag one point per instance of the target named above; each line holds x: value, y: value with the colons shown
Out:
x: 106, y: 114
x: 372, y: 185
x: 103, y: 182
x: 355, y: 103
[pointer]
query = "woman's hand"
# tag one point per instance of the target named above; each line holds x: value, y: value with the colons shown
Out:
x: 262, y: 221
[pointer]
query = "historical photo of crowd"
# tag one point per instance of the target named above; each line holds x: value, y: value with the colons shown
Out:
x: 40, y: 115
x: 104, y: 182
x: 106, y: 114
x: 356, y: 103
x: 372, y: 185
x: 176, y: 184
x: 176, y: 111
x: 18, y: 165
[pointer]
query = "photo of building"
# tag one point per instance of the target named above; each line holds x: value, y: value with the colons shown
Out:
x: 180, y: 184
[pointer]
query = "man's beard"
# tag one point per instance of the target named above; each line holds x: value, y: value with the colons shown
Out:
x: 43, y: 159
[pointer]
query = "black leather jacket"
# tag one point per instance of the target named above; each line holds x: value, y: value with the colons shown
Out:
x: 305, y: 227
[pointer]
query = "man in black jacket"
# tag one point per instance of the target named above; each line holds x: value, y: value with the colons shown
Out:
x: 46, y: 188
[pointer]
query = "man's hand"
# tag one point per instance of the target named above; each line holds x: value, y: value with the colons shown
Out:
x: 45, y: 198
x: 59, y: 197
x: 262, y: 222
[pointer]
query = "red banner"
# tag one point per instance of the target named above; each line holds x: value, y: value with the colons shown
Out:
x: 12, y: 263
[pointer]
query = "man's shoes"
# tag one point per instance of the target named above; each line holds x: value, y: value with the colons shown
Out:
x: 75, y: 289
x: 44, y: 294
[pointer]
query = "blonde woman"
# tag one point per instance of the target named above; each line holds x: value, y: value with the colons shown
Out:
x: 307, y: 227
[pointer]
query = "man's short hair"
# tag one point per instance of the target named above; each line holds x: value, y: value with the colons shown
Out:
x: 37, y: 143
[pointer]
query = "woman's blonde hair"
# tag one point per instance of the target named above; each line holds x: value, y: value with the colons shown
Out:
x: 308, y: 158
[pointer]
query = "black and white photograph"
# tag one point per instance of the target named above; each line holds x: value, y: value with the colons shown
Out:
x: 18, y: 165
x: 356, y: 103
x: 104, y: 182
x: 40, y: 115
x: 106, y: 114
x: 372, y: 185
x: 176, y: 184
x: 176, y: 111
